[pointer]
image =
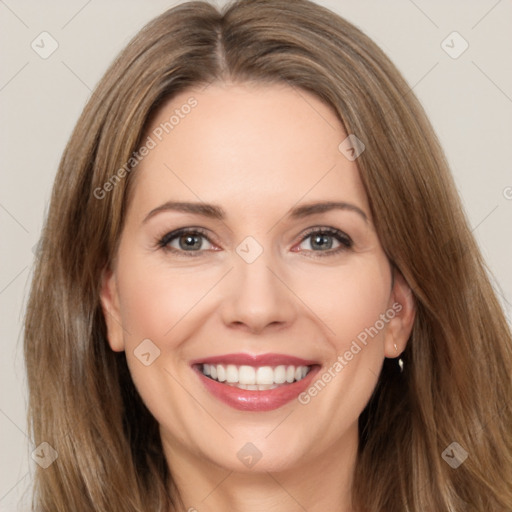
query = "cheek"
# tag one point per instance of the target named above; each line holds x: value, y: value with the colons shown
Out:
x: 349, y: 298
x: 350, y: 302
x: 155, y: 299
x: 158, y: 303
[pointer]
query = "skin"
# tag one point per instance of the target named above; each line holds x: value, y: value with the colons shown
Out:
x: 257, y: 151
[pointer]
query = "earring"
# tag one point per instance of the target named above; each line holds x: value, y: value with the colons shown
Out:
x: 400, y: 361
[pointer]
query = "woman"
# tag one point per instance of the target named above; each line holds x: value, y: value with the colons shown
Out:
x: 257, y: 289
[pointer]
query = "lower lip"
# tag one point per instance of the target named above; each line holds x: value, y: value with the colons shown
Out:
x: 248, y: 400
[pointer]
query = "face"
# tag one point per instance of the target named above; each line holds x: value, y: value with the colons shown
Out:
x: 249, y: 254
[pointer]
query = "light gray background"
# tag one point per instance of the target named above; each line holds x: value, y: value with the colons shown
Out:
x: 468, y: 99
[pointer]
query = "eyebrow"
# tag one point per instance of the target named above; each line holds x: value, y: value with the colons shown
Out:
x: 216, y: 212
x: 326, y: 206
x: 206, y: 210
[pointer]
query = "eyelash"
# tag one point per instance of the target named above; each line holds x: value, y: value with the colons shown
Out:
x: 163, y: 242
x: 345, y: 241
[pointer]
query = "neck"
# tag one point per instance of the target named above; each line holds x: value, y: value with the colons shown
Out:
x: 318, y: 483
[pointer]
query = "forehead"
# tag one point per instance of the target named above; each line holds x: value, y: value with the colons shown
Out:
x: 247, y: 146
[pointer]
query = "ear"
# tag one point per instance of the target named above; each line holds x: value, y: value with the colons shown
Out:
x: 399, y: 328
x: 110, y: 304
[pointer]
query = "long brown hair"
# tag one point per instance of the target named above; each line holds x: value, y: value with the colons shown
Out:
x: 456, y: 384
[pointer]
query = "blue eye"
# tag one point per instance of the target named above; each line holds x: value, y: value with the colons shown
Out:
x: 326, y: 240
x: 194, y: 241
x: 185, y: 240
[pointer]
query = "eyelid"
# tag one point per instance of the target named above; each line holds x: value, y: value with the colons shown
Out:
x: 346, y: 242
x: 323, y: 229
x: 162, y: 242
x: 344, y: 239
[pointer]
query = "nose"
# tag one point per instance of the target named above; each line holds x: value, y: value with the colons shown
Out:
x: 257, y: 297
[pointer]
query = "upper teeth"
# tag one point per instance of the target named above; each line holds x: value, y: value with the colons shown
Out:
x: 250, y: 375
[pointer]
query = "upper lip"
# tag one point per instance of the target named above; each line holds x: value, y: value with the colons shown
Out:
x: 241, y: 359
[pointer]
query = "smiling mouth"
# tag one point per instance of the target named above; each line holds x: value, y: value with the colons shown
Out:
x: 254, y: 378
x: 255, y: 382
